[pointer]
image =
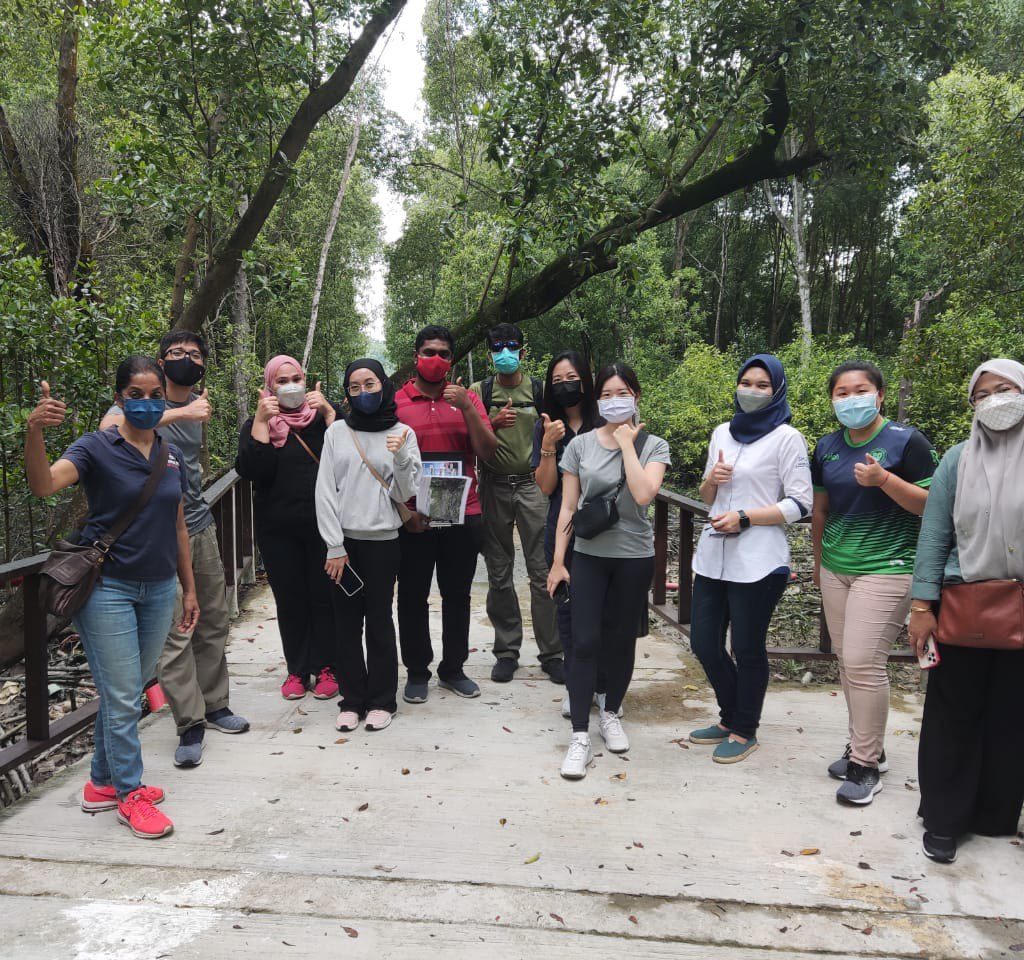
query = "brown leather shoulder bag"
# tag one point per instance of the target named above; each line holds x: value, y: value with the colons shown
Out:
x: 988, y: 614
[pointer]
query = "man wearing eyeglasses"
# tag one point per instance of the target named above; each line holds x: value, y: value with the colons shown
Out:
x: 193, y: 669
x: 511, y: 499
x: 452, y: 428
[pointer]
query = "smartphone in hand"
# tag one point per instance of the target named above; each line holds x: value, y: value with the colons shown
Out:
x: 561, y: 594
x: 351, y: 583
x: 930, y: 658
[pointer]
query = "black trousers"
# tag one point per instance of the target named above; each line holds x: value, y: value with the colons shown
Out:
x: 368, y: 682
x: 295, y: 569
x: 969, y: 769
x: 609, y: 599
x: 452, y: 552
x: 563, y: 611
x: 740, y: 681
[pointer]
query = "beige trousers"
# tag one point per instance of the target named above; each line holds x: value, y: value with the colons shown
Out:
x: 864, y: 616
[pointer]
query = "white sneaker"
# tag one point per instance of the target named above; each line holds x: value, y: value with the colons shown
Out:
x: 566, y: 709
x: 600, y: 698
x: 614, y: 736
x: 578, y: 757
x: 347, y: 721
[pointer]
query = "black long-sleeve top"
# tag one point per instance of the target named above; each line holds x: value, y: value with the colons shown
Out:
x: 283, y: 478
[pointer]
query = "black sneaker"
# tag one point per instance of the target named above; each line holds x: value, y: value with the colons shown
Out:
x: 555, y: 669
x: 861, y: 785
x: 503, y: 669
x: 837, y: 769
x: 939, y: 849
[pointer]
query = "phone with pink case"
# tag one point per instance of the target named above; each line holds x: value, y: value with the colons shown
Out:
x: 930, y: 658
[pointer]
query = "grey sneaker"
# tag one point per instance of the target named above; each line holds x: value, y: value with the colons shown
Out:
x: 837, y: 770
x: 462, y: 686
x: 190, y: 747
x: 227, y: 722
x: 416, y: 692
x: 860, y: 786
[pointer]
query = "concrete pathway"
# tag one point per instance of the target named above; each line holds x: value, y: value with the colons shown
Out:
x: 452, y: 834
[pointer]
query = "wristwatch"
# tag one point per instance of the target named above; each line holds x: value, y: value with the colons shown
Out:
x: 744, y: 520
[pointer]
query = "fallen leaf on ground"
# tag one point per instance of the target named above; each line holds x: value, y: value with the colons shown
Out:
x: 351, y: 931
x: 503, y: 821
x: 405, y: 771
x: 787, y: 853
x: 637, y: 843
x: 383, y: 869
x: 856, y: 833
x: 506, y: 729
x: 809, y: 851
x: 555, y: 916
x: 867, y: 931
x: 532, y: 859
x: 864, y: 866
x: 363, y: 806
x: 600, y: 802
x: 690, y: 686
x: 214, y: 833
x: 341, y: 740
x: 617, y: 776
x: 633, y: 919
x: 297, y: 730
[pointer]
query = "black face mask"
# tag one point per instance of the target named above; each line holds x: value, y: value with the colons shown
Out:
x: 567, y: 393
x: 184, y: 372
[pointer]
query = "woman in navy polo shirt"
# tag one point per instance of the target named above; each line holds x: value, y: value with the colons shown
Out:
x: 871, y: 482
x: 126, y: 619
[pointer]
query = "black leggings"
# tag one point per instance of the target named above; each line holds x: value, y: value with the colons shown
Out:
x: 370, y: 682
x: 295, y: 570
x: 609, y: 598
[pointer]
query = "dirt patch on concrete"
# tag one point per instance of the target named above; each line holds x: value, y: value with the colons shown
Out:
x: 667, y: 701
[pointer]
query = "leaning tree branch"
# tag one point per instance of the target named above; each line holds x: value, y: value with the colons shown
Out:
x: 23, y: 193
x: 228, y: 255
x: 559, y: 278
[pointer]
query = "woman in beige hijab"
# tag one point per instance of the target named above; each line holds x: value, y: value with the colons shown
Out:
x: 971, y: 776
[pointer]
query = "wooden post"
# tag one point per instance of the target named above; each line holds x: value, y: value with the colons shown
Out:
x: 37, y: 696
x: 685, y: 564
x: 248, y: 542
x: 660, y: 551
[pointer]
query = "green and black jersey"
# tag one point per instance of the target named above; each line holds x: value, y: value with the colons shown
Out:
x: 867, y: 531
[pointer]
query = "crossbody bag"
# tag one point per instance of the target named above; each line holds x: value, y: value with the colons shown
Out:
x: 597, y: 516
x: 403, y: 511
x: 987, y: 614
x: 68, y: 577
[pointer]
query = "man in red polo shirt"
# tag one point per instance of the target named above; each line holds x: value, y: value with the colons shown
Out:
x: 450, y: 424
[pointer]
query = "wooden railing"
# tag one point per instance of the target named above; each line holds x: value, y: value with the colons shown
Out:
x: 678, y: 613
x: 230, y: 499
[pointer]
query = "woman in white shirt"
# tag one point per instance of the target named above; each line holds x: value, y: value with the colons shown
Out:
x: 757, y: 480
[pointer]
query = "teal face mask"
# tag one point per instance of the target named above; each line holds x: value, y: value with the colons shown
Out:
x: 857, y: 411
x: 505, y: 360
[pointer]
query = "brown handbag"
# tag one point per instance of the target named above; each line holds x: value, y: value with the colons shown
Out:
x: 988, y: 614
x: 69, y: 575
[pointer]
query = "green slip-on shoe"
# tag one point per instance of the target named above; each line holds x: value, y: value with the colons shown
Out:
x: 712, y: 734
x: 732, y: 751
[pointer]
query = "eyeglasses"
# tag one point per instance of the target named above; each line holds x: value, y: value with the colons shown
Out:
x: 985, y: 394
x: 371, y: 386
x: 179, y: 353
x: 498, y: 345
x: 431, y: 352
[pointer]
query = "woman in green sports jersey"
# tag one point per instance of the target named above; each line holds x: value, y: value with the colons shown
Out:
x: 871, y: 482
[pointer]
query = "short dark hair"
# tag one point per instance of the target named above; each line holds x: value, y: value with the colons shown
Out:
x: 504, y: 331
x: 588, y: 404
x: 435, y: 332
x: 857, y: 366
x: 175, y: 337
x: 617, y: 369
x: 134, y: 365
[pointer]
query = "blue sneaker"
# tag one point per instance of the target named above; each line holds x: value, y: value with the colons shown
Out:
x: 462, y: 686
x: 227, y: 722
x: 190, y: 747
x: 732, y: 751
x: 416, y: 691
x: 712, y: 734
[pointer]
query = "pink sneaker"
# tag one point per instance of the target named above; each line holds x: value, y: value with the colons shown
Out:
x: 95, y: 799
x: 142, y: 818
x: 326, y: 686
x: 294, y: 688
x: 347, y: 720
x: 378, y: 719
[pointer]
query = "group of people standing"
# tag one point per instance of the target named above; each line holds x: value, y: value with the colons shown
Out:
x: 567, y: 463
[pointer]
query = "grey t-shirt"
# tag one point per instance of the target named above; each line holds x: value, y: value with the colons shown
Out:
x: 600, y: 471
x: 187, y: 436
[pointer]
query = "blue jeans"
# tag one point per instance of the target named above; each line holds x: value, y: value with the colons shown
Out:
x: 740, y: 684
x: 123, y: 626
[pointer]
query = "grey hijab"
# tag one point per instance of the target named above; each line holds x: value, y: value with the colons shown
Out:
x: 988, y: 511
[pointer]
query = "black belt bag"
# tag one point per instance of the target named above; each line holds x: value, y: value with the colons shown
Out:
x: 597, y: 516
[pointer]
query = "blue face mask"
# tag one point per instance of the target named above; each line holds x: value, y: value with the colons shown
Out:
x: 144, y: 413
x: 506, y: 361
x: 368, y: 403
x: 856, y: 411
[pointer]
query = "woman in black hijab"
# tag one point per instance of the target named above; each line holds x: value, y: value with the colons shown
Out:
x: 369, y: 465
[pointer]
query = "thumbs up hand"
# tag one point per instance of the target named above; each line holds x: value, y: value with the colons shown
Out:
x: 199, y: 409
x: 870, y: 473
x: 505, y: 417
x: 316, y: 399
x: 457, y: 395
x: 395, y: 443
x: 48, y: 412
x: 721, y: 472
x: 554, y: 430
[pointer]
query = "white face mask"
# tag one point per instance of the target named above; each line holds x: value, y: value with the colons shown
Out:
x: 1000, y: 411
x: 617, y: 409
x: 291, y: 396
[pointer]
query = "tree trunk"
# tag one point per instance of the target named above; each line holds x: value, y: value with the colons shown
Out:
x: 240, y: 338
x: 332, y: 223
x: 317, y: 102
x: 723, y: 269
x: 910, y: 324
x: 183, y: 267
x: 66, y: 255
